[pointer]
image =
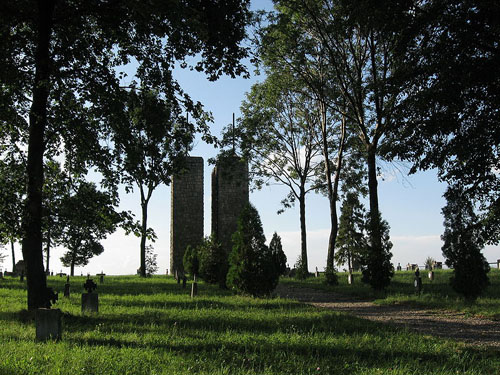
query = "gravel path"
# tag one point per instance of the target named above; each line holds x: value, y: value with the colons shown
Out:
x: 447, y: 324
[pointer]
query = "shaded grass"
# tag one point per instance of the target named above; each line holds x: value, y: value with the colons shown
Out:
x: 152, y: 326
x: 436, y: 294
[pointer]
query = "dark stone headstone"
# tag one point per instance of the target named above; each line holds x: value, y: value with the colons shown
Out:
x: 418, y: 281
x: 90, y: 302
x: 48, y: 324
x: 184, y: 281
x: 66, y: 290
x: 398, y: 268
x: 498, y: 263
x: 101, y: 277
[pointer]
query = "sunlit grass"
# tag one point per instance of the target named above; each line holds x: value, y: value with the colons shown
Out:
x: 152, y: 326
x: 436, y: 294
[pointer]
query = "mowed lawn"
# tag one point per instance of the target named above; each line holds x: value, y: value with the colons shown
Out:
x: 152, y: 326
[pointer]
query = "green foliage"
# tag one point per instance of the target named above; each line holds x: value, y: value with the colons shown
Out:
x: 351, y: 239
x: 252, y: 268
x: 191, y: 261
x: 213, y: 262
x: 377, y: 267
x: 429, y: 263
x: 301, y: 271
x: 279, y: 257
x: 331, y: 277
x: 151, y: 263
x: 462, y: 246
x: 87, y: 216
x: 449, y: 120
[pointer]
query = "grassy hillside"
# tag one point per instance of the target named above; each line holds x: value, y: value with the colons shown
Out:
x: 152, y: 326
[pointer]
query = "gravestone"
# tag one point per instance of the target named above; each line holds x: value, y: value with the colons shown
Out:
x: 184, y: 281
x: 90, y: 301
x: 398, y: 268
x: 101, y: 277
x: 194, y: 288
x: 350, y: 278
x: 229, y: 197
x: 431, y: 275
x: 316, y: 274
x: 438, y: 265
x: 67, y: 288
x: 418, y: 281
x: 48, y: 324
x: 186, y: 225
x: 498, y: 263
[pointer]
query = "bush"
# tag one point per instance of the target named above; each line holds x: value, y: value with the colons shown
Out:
x: 377, y: 267
x: 191, y: 261
x: 301, y: 272
x: 331, y: 277
x: 213, y: 262
x: 251, y: 266
x: 279, y: 256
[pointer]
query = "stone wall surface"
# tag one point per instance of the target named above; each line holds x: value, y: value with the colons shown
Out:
x: 186, y: 212
x: 229, y: 196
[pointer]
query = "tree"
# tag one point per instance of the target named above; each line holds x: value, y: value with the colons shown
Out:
x: 12, y: 186
x: 279, y: 257
x: 191, y: 261
x: 151, y: 142
x: 213, y: 262
x: 58, y: 71
x: 449, y: 117
x: 251, y: 266
x: 358, y: 42
x: 377, y: 268
x: 278, y: 135
x: 287, y: 49
x: 151, y: 263
x: 462, y: 245
x: 351, y: 240
x: 55, y: 189
x: 87, y: 216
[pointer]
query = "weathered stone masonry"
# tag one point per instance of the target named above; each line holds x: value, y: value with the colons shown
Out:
x: 229, y: 196
x: 186, y: 227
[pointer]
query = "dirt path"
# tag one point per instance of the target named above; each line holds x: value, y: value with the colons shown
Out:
x: 447, y: 324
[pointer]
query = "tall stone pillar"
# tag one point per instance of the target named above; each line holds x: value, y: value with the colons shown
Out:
x: 186, y: 219
x: 229, y: 196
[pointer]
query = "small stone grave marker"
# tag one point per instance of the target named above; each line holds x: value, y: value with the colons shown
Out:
x: 90, y: 301
x: 194, y: 288
x: 101, y: 277
x: 418, y: 281
x: 66, y: 288
x: 316, y: 274
x: 350, y: 278
x: 398, y: 268
x: 48, y: 324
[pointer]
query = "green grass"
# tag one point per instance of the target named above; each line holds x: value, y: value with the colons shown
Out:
x: 436, y: 294
x: 152, y: 326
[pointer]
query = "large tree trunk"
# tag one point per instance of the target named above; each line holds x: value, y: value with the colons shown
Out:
x: 144, y: 228
x: 332, y: 188
x: 13, y: 256
x: 375, y: 235
x: 32, y: 220
x: 303, y: 233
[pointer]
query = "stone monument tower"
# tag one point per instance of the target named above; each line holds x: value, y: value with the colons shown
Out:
x: 186, y: 227
x: 229, y: 196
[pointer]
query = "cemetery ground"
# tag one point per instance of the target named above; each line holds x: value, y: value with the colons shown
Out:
x: 153, y: 326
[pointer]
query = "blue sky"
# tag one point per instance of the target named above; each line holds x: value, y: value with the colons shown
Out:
x: 411, y: 204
